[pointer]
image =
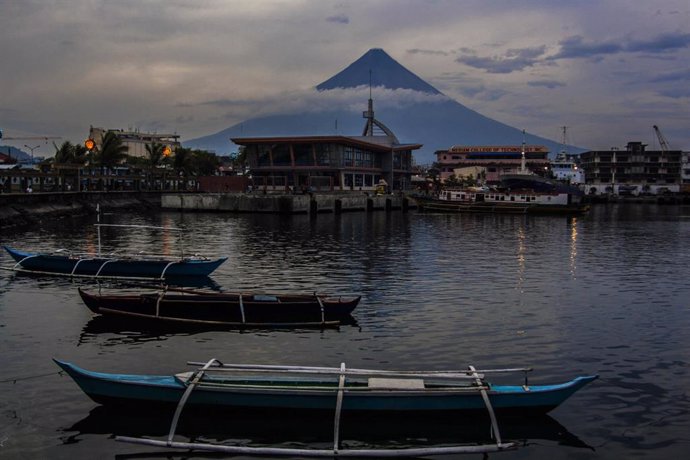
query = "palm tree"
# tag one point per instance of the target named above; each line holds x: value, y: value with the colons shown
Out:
x: 111, y: 153
x: 64, y: 153
x: 154, y: 152
x: 182, y: 163
x: 69, y: 154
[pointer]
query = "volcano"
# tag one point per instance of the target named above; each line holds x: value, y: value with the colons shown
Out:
x: 413, y: 109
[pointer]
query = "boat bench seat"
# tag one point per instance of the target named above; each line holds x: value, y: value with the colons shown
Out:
x: 265, y: 298
x: 396, y: 384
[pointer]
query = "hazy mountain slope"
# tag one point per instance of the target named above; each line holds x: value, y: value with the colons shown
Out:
x: 431, y: 119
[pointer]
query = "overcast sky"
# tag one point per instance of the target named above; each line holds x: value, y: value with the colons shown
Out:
x: 607, y: 69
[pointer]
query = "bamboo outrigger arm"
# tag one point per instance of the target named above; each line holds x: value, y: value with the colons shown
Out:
x: 197, y: 378
x: 342, y: 372
x: 289, y: 452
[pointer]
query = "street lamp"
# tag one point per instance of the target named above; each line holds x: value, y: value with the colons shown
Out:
x: 32, y: 151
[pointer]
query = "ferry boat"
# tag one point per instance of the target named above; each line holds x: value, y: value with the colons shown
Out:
x: 543, y: 197
x: 563, y: 168
x: 523, y: 193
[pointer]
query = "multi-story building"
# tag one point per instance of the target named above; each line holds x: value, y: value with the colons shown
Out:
x: 685, y: 173
x: 494, y: 160
x: 135, y: 141
x: 633, y: 170
x: 330, y: 163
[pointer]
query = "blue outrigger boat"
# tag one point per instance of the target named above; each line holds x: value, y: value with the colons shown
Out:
x: 214, y: 385
x: 125, y: 266
x: 62, y: 262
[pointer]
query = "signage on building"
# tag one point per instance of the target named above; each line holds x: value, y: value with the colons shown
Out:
x: 498, y: 149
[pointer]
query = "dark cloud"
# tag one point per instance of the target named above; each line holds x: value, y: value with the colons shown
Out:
x: 675, y: 93
x: 662, y: 43
x: 576, y: 47
x: 551, y: 84
x: 514, y: 60
x: 677, y: 76
x: 339, y: 19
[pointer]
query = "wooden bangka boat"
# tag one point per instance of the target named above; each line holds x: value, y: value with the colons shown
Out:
x: 342, y: 390
x: 223, y: 308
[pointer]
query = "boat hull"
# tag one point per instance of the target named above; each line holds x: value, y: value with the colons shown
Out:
x: 113, y: 267
x: 109, y: 389
x: 430, y: 204
x: 231, y: 309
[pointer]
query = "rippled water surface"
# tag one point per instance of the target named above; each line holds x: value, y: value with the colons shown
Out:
x: 606, y: 293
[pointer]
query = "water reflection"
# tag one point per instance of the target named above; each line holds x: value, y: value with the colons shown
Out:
x: 269, y: 428
x: 111, y: 331
x: 572, y: 223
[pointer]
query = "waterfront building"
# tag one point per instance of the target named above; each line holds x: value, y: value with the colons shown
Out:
x: 495, y: 160
x: 685, y: 173
x: 331, y: 163
x: 135, y: 141
x: 632, y: 171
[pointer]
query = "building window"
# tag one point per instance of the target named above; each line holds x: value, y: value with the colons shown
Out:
x: 348, y: 156
x: 281, y: 155
x: 304, y: 155
x: 262, y: 154
x: 323, y: 154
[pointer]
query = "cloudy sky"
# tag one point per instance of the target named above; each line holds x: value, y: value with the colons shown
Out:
x: 607, y: 69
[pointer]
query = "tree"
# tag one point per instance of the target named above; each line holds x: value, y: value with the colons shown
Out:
x: 154, y: 153
x: 205, y: 163
x: 70, y: 158
x: 111, y: 153
x: 453, y: 181
x: 155, y: 156
x: 69, y: 153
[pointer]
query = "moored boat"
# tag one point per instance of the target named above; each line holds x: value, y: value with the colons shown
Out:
x: 561, y: 199
x: 214, y: 385
x: 232, y: 309
x: 315, y: 388
x: 521, y: 193
x: 135, y: 266
x: 98, y: 264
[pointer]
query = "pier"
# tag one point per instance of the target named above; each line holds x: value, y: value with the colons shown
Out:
x: 20, y: 209
x: 311, y: 203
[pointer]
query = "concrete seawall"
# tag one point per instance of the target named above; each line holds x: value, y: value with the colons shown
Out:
x: 18, y: 210
x: 283, y: 204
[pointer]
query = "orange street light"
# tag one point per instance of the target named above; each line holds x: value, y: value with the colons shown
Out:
x: 167, y: 151
x: 89, y: 144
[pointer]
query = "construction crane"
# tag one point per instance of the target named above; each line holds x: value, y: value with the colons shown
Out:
x: 662, y: 140
x: 28, y: 138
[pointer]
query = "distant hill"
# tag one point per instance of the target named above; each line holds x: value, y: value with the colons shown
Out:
x: 413, y: 109
x: 14, y: 153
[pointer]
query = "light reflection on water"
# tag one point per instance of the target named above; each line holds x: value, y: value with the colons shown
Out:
x: 604, y: 293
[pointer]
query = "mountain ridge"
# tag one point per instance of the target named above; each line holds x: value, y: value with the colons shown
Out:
x: 434, y: 120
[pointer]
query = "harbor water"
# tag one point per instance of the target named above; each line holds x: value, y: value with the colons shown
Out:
x: 606, y: 293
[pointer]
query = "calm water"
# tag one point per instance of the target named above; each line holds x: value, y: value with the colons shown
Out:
x: 606, y: 293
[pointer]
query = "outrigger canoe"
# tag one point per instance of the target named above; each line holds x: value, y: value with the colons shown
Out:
x: 214, y: 385
x: 63, y: 262
x: 231, y: 309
